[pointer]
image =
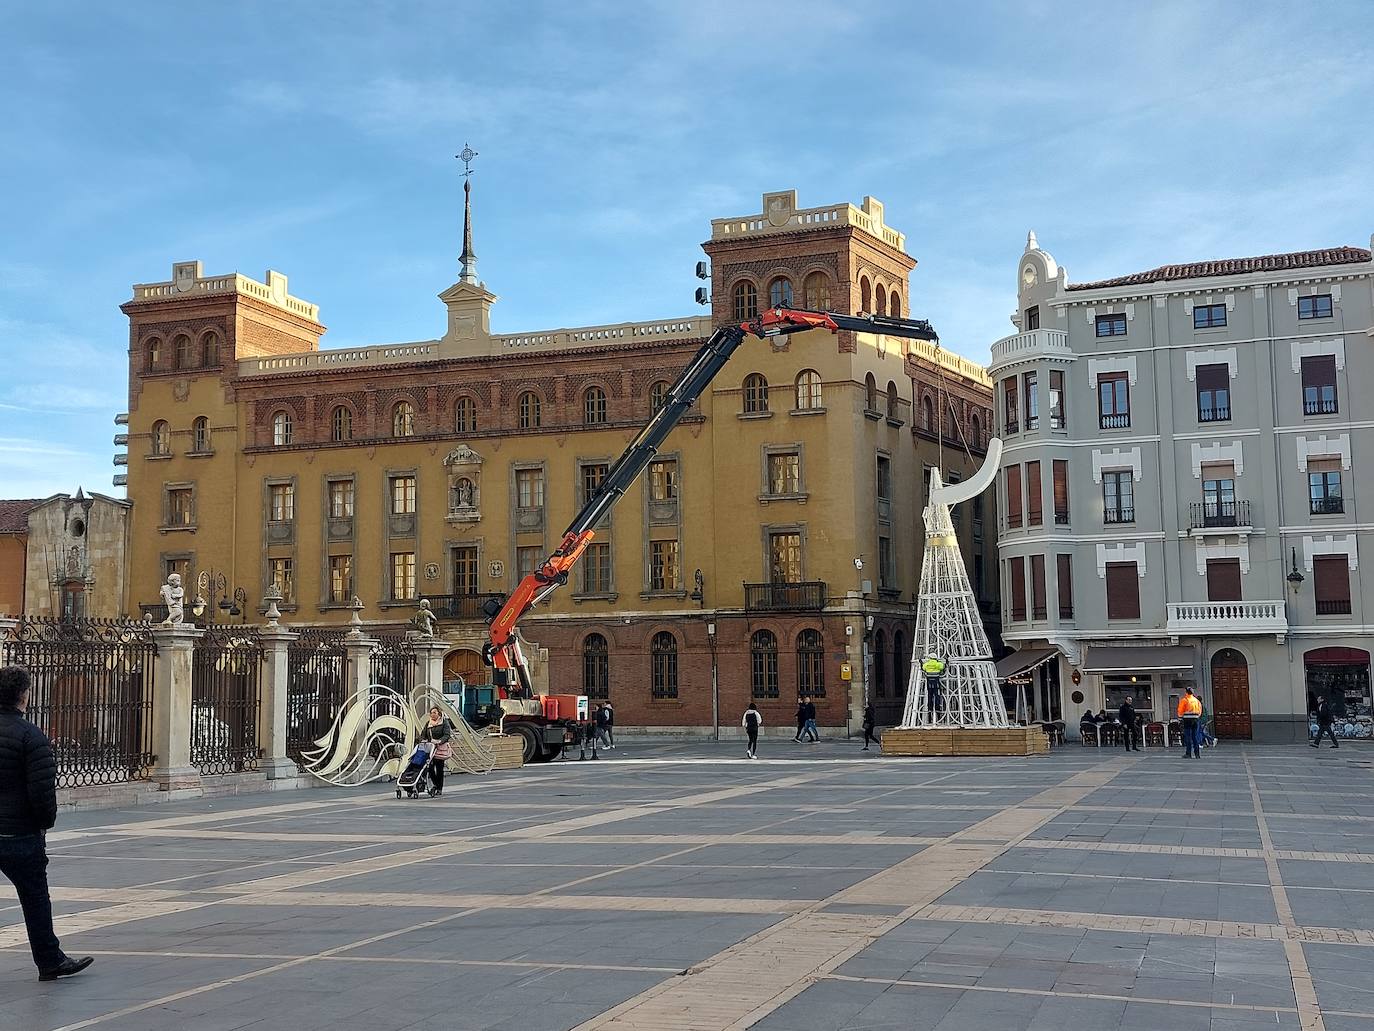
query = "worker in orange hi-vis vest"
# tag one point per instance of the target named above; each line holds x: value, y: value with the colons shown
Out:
x: 1190, y: 712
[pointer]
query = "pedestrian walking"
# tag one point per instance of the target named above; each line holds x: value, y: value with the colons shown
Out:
x: 1325, y: 719
x: 1205, y: 721
x: 602, y: 719
x: 438, y: 734
x: 1190, y: 713
x: 801, y: 716
x: 870, y: 724
x: 610, y: 724
x: 28, y: 810
x: 752, y: 722
x: 1128, y: 718
x: 810, y: 726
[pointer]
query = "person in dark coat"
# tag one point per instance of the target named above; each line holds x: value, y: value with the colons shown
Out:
x: 28, y: 810
x: 810, y: 726
x: 1325, y: 718
x: 870, y: 724
x: 1128, y: 718
x: 801, y: 718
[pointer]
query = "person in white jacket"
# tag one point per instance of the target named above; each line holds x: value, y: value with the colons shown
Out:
x: 751, y: 723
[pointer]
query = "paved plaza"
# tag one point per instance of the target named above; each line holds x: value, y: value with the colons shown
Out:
x: 683, y: 887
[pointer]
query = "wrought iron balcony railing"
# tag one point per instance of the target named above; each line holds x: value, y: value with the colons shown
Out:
x: 1208, y: 514
x: 804, y: 596
x: 460, y: 606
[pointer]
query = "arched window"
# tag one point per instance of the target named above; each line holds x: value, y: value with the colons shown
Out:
x: 865, y: 294
x: 975, y: 432
x: 900, y: 670
x: 810, y: 664
x: 891, y: 399
x: 403, y: 419
x: 816, y: 291
x: 927, y: 414
x: 746, y: 298
x: 209, y: 349
x: 880, y: 664
x: 808, y: 390
x: 596, y: 667
x: 281, y: 429
x: 161, y: 438
x: 341, y: 423
x: 465, y: 415
x: 880, y: 299
x: 894, y: 308
x: 594, y: 406
x: 200, y: 435
x: 780, y: 293
x: 658, y: 395
x: 663, y: 656
x: 763, y: 652
x: 870, y: 393
x: 152, y: 352
x: 755, y: 393
x: 529, y: 410
x: 181, y: 352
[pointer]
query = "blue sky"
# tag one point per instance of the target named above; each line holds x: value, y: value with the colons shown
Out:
x: 317, y: 139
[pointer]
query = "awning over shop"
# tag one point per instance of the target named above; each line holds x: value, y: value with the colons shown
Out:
x: 1023, y: 661
x: 1138, y: 660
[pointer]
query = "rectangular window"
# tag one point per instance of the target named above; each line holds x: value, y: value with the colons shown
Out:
x: 1111, y: 325
x: 1029, y: 383
x: 884, y: 488
x: 784, y: 473
x: 1213, y: 393
x: 1011, y: 406
x: 1209, y: 316
x: 663, y: 480
x: 1123, y: 591
x: 663, y: 566
x: 180, y: 566
x: 282, y: 502
x: 1038, y: 608
x: 464, y: 559
x: 887, y: 571
x: 341, y: 499
x: 340, y: 579
x: 1064, y: 584
x: 1219, y: 496
x: 282, y: 570
x: 1324, y: 487
x: 402, y: 575
x: 1013, y: 496
x: 181, y: 509
x: 1056, y: 399
x: 1317, y: 306
x: 528, y: 559
x: 784, y: 558
x: 1035, y: 505
x: 1113, y: 401
x: 596, y: 569
x: 1017, y: 571
x: 403, y: 495
x: 1223, y: 579
x: 592, y: 475
x: 1331, y: 584
x: 1118, y: 500
x: 1032, y: 318
x: 1319, y: 385
x: 1061, y: 492
x: 529, y: 488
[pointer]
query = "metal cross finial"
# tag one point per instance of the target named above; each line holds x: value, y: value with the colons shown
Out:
x: 466, y: 157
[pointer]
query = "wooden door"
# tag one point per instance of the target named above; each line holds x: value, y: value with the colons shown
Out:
x: 1231, y: 701
x: 466, y: 664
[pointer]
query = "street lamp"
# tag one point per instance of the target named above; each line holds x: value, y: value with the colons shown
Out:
x: 1295, y: 577
x: 211, y: 585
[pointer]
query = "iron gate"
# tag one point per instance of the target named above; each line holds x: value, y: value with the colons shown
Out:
x: 393, y: 664
x: 317, y: 678
x: 92, y: 694
x: 226, y: 695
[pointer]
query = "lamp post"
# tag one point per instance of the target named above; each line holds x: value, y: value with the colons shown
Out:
x: 212, y: 586
x: 715, y: 680
x: 1295, y: 577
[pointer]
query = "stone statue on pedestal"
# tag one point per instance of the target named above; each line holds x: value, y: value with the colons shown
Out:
x: 173, y: 596
x: 424, y: 620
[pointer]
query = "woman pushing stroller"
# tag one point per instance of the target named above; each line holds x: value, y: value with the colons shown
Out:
x: 438, y: 735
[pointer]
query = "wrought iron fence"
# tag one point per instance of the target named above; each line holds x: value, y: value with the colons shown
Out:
x: 393, y: 664
x: 317, y: 686
x: 92, y: 694
x: 226, y: 695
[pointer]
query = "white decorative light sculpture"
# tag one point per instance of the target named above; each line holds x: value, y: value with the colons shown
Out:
x: 948, y: 623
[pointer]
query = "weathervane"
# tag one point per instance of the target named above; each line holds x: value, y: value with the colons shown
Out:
x: 466, y: 158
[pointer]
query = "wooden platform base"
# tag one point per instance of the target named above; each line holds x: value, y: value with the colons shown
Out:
x: 1013, y: 741
x: 509, y: 749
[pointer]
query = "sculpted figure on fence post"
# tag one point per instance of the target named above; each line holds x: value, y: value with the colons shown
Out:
x: 173, y: 596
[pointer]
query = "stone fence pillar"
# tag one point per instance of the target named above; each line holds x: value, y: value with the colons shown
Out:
x: 172, y: 707
x: 429, y: 672
x: 272, y: 710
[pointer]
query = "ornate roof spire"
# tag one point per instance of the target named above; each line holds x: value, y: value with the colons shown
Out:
x: 468, y: 259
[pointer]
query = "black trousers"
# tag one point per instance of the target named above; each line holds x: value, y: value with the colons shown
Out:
x: 1325, y: 731
x: 1128, y: 738
x: 24, y: 861
x: 868, y: 736
x: 436, y: 773
x: 753, y: 733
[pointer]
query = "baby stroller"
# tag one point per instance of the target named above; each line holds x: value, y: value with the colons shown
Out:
x: 416, y: 773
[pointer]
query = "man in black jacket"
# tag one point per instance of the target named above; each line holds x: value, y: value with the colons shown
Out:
x: 28, y: 809
x: 1128, y: 719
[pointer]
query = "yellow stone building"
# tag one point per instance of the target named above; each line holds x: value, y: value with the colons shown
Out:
x: 449, y: 467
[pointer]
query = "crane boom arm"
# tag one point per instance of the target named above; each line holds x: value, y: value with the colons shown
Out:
x: 503, y: 647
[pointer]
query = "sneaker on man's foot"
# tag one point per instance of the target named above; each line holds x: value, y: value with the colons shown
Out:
x: 66, y: 968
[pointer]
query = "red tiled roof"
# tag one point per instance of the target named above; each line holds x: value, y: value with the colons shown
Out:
x: 1236, y: 266
x: 14, y: 515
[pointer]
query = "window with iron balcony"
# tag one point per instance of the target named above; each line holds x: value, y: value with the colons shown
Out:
x: 1114, y: 401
